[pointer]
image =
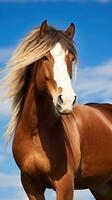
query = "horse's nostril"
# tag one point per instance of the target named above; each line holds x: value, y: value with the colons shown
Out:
x: 74, y: 101
x: 60, y: 99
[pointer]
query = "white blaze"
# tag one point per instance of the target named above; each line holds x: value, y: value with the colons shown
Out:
x: 61, y: 75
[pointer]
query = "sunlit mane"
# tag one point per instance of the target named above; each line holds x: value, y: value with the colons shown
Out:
x: 31, y: 49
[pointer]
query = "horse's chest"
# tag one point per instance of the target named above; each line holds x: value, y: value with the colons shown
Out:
x: 44, y: 157
x: 30, y: 156
x: 40, y: 160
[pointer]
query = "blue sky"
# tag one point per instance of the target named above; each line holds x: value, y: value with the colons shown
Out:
x: 93, y: 20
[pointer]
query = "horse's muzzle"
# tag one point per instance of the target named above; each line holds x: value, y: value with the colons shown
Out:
x: 65, y: 106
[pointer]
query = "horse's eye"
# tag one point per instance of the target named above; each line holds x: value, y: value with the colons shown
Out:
x: 45, y: 58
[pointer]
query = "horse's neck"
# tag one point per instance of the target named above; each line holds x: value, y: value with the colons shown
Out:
x: 28, y: 119
x: 37, y: 111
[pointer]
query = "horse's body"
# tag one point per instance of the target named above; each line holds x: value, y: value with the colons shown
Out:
x: 52, y: 150
x: 44, y: 156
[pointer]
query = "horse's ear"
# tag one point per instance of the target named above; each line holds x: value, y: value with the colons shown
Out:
x: 43, y: 28
x: 70, y: 31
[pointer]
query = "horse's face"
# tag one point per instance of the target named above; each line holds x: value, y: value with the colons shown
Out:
x: 54, y: 75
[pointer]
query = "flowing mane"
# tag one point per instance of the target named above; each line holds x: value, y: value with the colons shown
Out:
x: 31, y: 49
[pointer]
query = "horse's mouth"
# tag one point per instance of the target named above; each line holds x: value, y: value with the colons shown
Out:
x: 61, y: 112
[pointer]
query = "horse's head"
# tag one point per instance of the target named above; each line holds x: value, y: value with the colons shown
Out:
x: 44, y: 58
x: 54, y: 70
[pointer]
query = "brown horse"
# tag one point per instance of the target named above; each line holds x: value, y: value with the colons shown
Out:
x: 57, y: 144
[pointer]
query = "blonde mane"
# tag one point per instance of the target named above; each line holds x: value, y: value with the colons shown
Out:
x: 31, y: 49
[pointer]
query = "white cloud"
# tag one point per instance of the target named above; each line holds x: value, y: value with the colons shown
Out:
x: 5, y: 104
x: 20, y: 195
x: 2, y: 158
x: 5, y: 108
x: 9, y: 181
x: 94, y: 84
x: 83, y: 194
x: 50, y: 194
x: 5, y: 53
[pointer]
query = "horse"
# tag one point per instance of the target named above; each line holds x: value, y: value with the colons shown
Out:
x: 57, y: 143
